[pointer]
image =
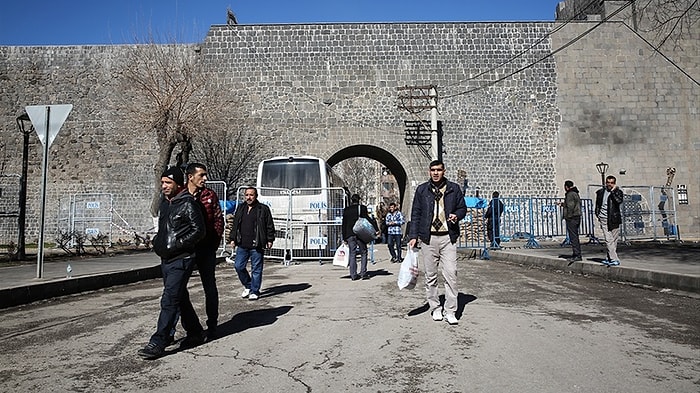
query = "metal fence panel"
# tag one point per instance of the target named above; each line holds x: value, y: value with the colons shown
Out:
x: 530, y: 219
x: 648, y: 213
x: 473, y: 230
x: 9, y: 208
x: 221, y: 190
x: 91, y: 215
x: 307, y: 221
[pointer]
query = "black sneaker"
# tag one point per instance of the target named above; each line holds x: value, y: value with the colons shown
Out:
x: 193, y: 340
x: 151, y: 351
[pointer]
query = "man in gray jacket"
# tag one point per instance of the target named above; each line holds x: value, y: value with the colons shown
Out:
x: 572, y: 217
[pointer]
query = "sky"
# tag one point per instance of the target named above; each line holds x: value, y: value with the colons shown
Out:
x: 95, y: 22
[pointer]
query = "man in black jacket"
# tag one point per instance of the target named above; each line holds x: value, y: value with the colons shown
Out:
x: 350, y: 216
x: 438, y: 206
x: 180, y: 228
x: 492, y: 220
x: 607, y: 208
x: 252, y: 232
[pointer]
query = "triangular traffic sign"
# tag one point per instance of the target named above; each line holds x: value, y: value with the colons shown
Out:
x: 57, y: 115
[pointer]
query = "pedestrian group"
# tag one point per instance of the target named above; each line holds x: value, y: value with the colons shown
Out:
x: 190, y: 229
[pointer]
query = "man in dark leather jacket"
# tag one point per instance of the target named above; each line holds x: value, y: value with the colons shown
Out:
x: 180, y: 227
x: 607, y: 208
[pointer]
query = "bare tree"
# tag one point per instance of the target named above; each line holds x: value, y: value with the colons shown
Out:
x: 360, y: 176
x: 668, y: 21
x: 170, y: 95
x: 230, y: 154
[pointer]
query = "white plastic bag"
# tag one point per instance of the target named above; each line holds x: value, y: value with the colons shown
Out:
x: 408, y: 273
x: 342, y: 256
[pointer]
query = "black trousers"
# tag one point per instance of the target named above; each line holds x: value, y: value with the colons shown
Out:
x: 572, y: 225
x: 175, y: 299
x: 206, y: 265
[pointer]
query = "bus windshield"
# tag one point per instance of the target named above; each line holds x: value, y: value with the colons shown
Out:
x: 299, y: 173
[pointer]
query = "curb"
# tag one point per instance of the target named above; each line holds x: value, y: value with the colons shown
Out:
x: 16, y: 296
x: 657, y: 279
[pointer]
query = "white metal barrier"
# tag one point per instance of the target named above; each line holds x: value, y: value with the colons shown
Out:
x: 88, y: 214
x: 307, y: 221
x: 221, y: 190
x: 9, y: 208
x: 648, y: 213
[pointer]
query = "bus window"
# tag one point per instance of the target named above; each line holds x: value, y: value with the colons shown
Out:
x: 287, y: 174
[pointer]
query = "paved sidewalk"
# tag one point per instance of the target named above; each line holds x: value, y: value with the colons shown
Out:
x: 668, y: 267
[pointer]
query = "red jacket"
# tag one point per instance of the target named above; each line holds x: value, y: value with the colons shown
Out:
x: 213, y: 217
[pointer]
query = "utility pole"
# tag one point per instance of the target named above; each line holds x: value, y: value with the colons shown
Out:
x: 415, y: 100
x: 435, y: 148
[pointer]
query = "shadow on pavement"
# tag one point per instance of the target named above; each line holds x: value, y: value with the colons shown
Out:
x: 286, y: 288
x: 250, y: 319
x: 462, y: 301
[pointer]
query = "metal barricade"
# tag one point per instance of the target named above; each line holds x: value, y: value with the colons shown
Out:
x: 9, y: 208
x: 473, y: 231
x: 536, y: 218
x: 648, y: 213
x: 517, y: 221
x: 91, y: 215
x: 221, y: 190
x: 307, y: 221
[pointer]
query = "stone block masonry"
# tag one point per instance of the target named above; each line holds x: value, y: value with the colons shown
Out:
x: 330, y: 90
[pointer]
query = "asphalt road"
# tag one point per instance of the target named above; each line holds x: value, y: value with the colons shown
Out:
x: 314, y: 330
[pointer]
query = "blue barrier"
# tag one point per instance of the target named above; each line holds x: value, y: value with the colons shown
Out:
x: 521, y: 218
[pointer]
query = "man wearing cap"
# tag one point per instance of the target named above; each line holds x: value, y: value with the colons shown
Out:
x: 180, y: 227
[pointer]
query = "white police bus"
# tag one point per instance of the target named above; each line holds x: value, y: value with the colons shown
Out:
x: 306, y: 199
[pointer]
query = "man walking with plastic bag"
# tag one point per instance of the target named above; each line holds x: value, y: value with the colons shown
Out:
x: 357, y: 236
x: 438, y: 206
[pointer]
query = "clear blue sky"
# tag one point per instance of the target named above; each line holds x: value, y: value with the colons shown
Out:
x: 79, y: 22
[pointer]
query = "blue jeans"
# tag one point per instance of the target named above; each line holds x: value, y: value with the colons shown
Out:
x: 175, y: 300
x: 395, y: 246
x: 251, y: 280
x: 206, y: 264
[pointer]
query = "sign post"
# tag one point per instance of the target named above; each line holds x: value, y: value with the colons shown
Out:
x: 47, y: 121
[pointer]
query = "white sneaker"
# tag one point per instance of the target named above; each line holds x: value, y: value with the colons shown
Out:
x: 245, y: 292
x: 451, y: 319
x: 437, y: 314
x: 252, y: 296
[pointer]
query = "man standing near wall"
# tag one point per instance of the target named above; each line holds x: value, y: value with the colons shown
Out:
x: 206, y: 249
x: 492, y: 220
x: 607, y: 208
x: 572, y: 216
x: 438, y: 206
x: 180, y: 228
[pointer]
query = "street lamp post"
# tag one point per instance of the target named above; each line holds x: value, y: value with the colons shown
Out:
x: 22, y: 122
x: 602, y: 168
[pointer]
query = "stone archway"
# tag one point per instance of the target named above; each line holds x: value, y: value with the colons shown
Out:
x: 376, y: 153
